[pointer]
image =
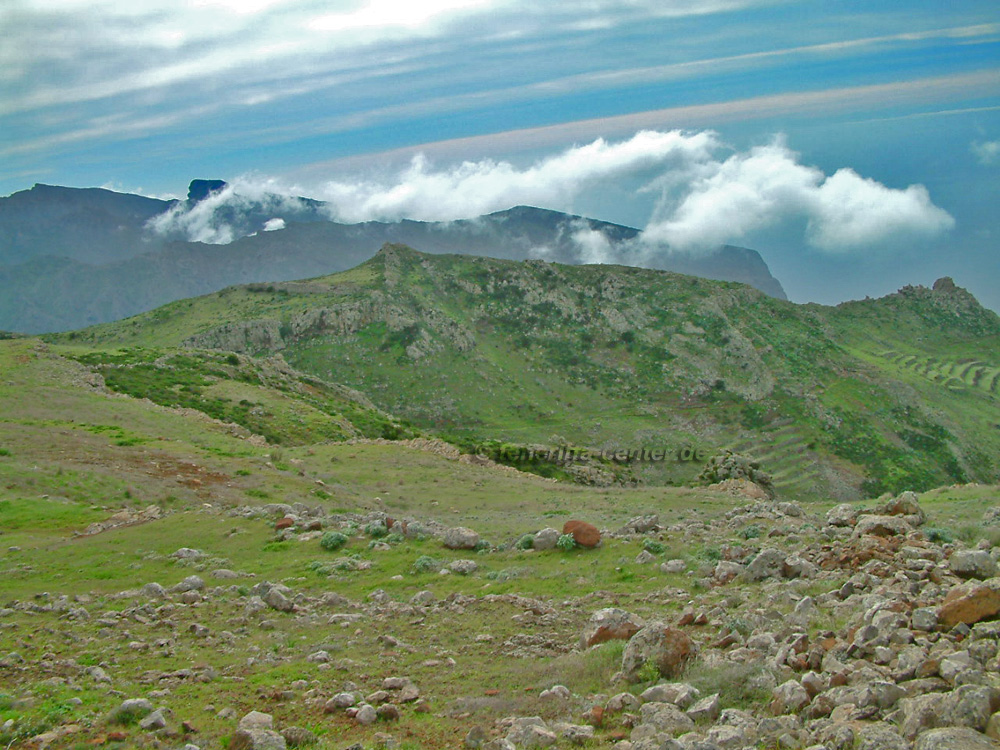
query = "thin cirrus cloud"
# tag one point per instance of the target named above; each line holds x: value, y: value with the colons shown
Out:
x: 147, y: 45
x: 706, y: 198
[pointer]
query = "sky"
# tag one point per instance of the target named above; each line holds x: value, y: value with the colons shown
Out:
x: 855, y: 145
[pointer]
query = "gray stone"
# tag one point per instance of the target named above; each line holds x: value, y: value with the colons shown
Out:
x: 955, y: 738
x: 460, y: 537
x: 191, y: 583
x: 666, y: 718
x: 530, y: 732
x: 924, y: 619
x: 972, y: 563
x: 768, y: 563
x: 545, y: 539
x: 153, y: 721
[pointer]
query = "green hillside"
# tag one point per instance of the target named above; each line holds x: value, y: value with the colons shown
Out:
x: 617, y: 358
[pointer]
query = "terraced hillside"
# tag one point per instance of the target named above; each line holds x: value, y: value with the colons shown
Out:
x: 607, y: 357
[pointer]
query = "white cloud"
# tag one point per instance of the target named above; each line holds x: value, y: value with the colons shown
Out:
x: 987, y: 152
x: 475, y: 188
x: 706, y: 198
x: 219, y: 218
x: 724, y: 201
x: 593, y: 245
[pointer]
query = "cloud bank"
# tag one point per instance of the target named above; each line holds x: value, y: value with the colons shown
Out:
x: 725, y: 200
x: 707, y: 195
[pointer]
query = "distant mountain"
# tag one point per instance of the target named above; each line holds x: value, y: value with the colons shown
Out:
x: 881, y: 395
x: 73, y: 257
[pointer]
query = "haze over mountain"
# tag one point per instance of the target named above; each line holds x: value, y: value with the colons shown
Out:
x: 74, y: 257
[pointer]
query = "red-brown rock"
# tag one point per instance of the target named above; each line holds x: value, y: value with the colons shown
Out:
x: 284, y: 523
x: 585, y: 534
x: 970, y: 602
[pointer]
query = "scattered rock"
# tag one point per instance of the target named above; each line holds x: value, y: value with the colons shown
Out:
x: 586, y: 535
x: 610, y: 624
x: 666, y: 647
x: 460, y: 537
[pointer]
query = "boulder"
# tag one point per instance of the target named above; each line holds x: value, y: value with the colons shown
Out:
x: 955, y: 738
x: 884, y: 526
x: 665, y: 718
x: 666, y: 647
x: 970, y: 602
x: 844, y: 514
x: 545, y: 539
x: 769, y: 563
x: 460, y: 537
x: 586, y: 535
x: 972, y: 563
x: 610, y: 624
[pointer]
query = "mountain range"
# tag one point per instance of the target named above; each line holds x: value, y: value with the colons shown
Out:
x: 489, y: 354
x: 73, y: 257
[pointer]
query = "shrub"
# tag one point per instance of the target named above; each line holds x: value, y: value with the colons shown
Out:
x: 376, y: 530
x: 654, y: 547
x: 566, y: 542
x: 526, y: 542
x: 939, y: 536
x: 750, y: 532
x: 332, y: 541
x: 426, y: 564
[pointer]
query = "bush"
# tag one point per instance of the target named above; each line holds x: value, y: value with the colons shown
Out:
x: 939, y: 536
x: 654, y: 547
x: 426, y: 564
x: 332, y: 541
x: 750, y: 532
x: 376, y: 530
x: 526, y: 542
x: 566, y: 542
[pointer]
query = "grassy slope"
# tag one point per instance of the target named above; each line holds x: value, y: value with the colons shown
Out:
x: 72, y: 454
x: 613, y: 357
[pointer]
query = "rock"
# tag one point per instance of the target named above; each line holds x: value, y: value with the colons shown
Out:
x: 610, y: 624
x: 131, y: 709
x: 186, y: 553
x: 666, y: 718
x: 366, y: 715
x: 577, y: 734
x: 972, y: 563
x: 789, y: 697
x: 255, y: 731
x: 153, y: 591
x: 257, y: 739
x: 769, y: 563
x: 884, y: 526
x: 460, y: 537
x: 276, y: 598
x: 666, y: 647
x: 844, y: 514
x: 679, y: 693
x: 955, y: 738
x: 924, y: 619
x: 475, y: 738
x: 339, y: 701
x: 969, y: 603
x: 463, y: 567
x: 674, y: 566
x: 905, y: 505
x: 256, y: 720
x: 284, y: 523
x: 726, y: 571
x: 153, y: 722
x: 545, y: 539
x: 191, y: 583
x: 586, y: 535
x: 707, y: 709
x: 531, y: 732
x: 298, y: 737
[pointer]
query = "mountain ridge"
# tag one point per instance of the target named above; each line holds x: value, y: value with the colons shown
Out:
x: 96, y: 247
x: 882, y: 395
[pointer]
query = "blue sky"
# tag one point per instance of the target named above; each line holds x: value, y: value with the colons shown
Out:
x: 855, y: 145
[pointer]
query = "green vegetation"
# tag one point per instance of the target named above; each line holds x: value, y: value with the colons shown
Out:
x: 498, y: 356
